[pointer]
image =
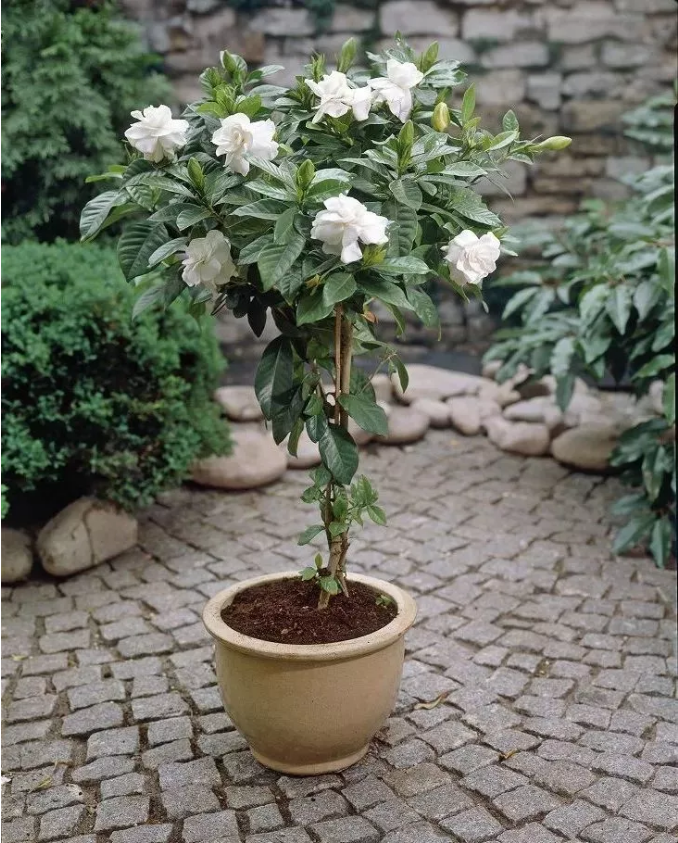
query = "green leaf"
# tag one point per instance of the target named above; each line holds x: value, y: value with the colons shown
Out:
x: 285, y: 225
x: 309, y: 534
x: 633, y: 533
x: 377, y: 514
x: 645, y: 296
x: 403, y: 228
x: 195, y: 173
x: 190, y: 216
x: 462, y: 169
x: 502, y: 140
x: 166, y: 250
x: 403, y: 266
x: 656, y: 366
x: 660, y: 541
x: 309, y: 574
x: 136, y: 245
x: 629, y: 504
x: 667, y: 268
x: 618, y: 306
x: 251, y: 252
x: 316, y: 427
x: 271, y: 191
x: 561, y: 357
x: 519, y: 300
x: 406, y: 192
x: 401, y: 371
x: 330, y: 585
x: 338, y: 287
x: 273, y: 379
x: 592, y: 304
x: 424, y: 307
x: 564, y: 390
x: 321, y: 190
x: 469, y: 205
x: 386, y: 291
x: 313, y: 308
x: 468, y: 104
x: 276, y: 260
x: 509, y: 122
x: 96, y: 210
x: 670, y: 398
x: 339, y: 453
x: 263, y: 209
x: 153, y: 295
x: 366, y: 413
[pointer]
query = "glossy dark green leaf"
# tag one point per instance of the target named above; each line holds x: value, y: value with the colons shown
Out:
x: 273, y: 379
x: 633, y: 533
x: 309, y: 534
x: 661, y: 539
x: 339, y: 453
x: 366, y: 413
x: 137, y: 243
x: 337, y: 288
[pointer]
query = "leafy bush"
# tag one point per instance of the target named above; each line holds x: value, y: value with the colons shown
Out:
x: 606, y: 304
x: 92, y: 403
x: 71, y: 76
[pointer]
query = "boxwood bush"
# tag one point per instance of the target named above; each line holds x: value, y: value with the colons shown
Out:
x: 71, y: 74
x: 91, y: 402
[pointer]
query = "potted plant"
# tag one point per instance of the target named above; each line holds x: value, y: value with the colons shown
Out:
x: 307, y: 206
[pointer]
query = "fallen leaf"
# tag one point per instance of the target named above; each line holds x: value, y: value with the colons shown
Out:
x: 45, y: 783
x: 18, y: 658
x: 509, y: 754
x: 432, y: 703
x: 5, y: 780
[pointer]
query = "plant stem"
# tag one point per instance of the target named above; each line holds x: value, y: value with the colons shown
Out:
x: 338, y: 545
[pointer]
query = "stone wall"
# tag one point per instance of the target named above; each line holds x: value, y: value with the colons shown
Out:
x: 567, y: 67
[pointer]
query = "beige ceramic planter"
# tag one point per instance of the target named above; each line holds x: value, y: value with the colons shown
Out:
x: 307, y: 709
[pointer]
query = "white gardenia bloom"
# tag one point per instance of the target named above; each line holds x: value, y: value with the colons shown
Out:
x: 472, y: 258
x: 396, y: 87
x: 156, y: 134
x: 208, y: 261
x: 338, y: 98
x: 345, y: 224
x: 239, y: 139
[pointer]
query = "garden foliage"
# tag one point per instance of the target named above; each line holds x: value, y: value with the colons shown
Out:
x: 93, y: 404
x: 71, y: 74
x: 605, y: 304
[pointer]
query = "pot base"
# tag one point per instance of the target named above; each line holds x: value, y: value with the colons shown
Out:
x: 311, y: 769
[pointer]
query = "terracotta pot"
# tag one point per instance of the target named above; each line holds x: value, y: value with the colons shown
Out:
x: 307, y: 709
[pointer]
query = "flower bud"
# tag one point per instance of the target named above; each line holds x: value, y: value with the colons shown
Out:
x: 441, y: 117
x: 228, y: 62
x: 305, y: 174
x: 555, y: 143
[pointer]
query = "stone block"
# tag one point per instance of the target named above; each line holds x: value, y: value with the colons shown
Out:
x: 349, y: 19
x: 545, y: 90
x: 517, y: 54
x: 498, y: 25
x: 429, y: 17
x: 625, y: 56
x: 283, y: 22
x: 588, y: 116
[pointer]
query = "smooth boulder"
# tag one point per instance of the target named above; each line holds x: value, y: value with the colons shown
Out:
x: 540, y: 410
x: 467, y: 414
x: 17, y: 555
x: 437, y: 411
x: 256, y: 461
x: 587, y: 447
x: 434, y: 383
x: 405, y: 425
x: 85, y: 533
x: 525, y: 438
x: 239, y: 403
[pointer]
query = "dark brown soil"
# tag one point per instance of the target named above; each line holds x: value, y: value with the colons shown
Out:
x: 287, y: 612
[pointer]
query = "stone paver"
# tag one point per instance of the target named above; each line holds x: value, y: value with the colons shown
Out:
x: 557, y: 662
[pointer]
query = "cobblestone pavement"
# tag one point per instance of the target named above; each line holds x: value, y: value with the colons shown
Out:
x: 560, y: 720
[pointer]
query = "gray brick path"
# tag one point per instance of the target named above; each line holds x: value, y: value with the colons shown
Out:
x: 557, y: 662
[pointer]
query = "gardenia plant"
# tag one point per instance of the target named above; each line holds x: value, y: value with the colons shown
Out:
x: 310, y: 206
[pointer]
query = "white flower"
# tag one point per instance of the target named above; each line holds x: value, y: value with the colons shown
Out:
x: 239, y: 139
x: 156, y: 134
x: 395, y: 87
x: 208, y: 261
x: 338, y: 98
x: 345, y: 222
x: 472, y: 258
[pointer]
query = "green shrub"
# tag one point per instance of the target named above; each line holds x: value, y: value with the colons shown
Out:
x: 91, y: 402
x: 71, y: 76
x: 605, y: 304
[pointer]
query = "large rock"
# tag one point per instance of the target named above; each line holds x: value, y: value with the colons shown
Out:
x: 587, y: 447
x: 438, y: 412
x: 467, y: 413
x: 256, y: 461
x: 381, y: 383
x: 239, y: 403
x: 17, y: 555
x: 308, y: 453
x: 656, y: 396
x: 491, y: 368
x: 540, y: 410
x: 405, y: 425
x: 360, y: 437
x: 436, y: 384
x: 85, y: 533
x: 530, y: 440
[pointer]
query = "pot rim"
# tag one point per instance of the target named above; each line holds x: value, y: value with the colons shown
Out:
x: 407, y: 612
